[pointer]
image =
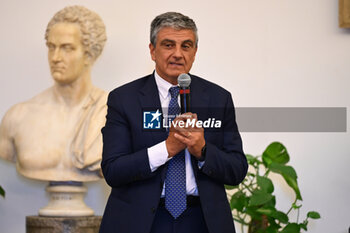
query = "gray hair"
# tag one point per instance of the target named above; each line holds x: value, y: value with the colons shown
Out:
x: 174, y: 20
x: 92, y: 28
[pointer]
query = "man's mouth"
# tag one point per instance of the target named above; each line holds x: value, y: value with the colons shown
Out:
x: 176, y: 64
x: 57, y: 69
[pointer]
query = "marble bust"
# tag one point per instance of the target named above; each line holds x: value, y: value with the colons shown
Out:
x: 56, y: 135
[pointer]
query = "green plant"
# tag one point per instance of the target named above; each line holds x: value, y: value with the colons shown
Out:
x: 2, y: 191
x: 254, y: 204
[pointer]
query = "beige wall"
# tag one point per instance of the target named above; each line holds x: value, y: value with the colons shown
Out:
x: 267, y: 53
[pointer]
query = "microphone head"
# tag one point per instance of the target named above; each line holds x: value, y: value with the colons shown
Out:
x: 184, y: 80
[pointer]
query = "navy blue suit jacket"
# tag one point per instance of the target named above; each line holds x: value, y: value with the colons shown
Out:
x: 136, y: 190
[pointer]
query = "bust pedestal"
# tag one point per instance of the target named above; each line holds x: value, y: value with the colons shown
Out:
x: 66, y: 211
x: 38, y: 224
x: 66, y: 200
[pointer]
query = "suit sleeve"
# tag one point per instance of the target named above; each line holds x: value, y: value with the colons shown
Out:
x: 226, y: 163
x: 120, y: 164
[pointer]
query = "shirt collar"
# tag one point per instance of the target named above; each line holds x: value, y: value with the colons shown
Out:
x: 163, y: 85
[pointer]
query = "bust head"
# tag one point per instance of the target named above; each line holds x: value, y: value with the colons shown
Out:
x: 92, y: 28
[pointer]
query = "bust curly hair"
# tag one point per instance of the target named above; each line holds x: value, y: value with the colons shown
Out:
x: 91, y: 26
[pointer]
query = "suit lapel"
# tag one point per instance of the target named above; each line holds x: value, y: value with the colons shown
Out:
x: 148, y: 94
x: 199, y: 98
x: 200, y: 105
x: 149, y: 100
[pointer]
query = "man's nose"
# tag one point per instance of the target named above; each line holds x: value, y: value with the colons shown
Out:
x: 56, y: 56
x: 178, y: 52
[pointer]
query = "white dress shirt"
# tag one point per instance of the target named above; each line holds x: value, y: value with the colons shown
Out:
x: 158, y: 154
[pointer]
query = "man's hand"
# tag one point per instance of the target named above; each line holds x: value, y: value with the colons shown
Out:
x: 173, y: 145
x: 191, y: 137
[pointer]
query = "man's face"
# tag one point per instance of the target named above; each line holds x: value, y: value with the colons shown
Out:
x: 174, y: 52
x: 66, y: 53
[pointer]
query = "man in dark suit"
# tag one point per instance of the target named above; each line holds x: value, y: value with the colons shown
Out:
x: 170, y: 181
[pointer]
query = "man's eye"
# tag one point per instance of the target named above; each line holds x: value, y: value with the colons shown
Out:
x: 67, y: 48
x: 50, y: 47
x: 186, y: 46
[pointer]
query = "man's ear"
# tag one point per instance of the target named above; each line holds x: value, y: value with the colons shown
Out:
x: 152, y: 51
x: 88, y: 60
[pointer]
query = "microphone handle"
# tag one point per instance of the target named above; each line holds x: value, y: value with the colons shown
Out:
x: 185, y: 100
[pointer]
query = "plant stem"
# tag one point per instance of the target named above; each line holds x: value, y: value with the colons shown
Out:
x: 292, y: 206
x: 240, y: 220
x: 290, y: 209
x: 298, y: 215
x: 247, y: 187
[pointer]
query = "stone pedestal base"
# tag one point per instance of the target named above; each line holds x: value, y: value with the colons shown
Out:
x: 66, y: 201
x: 37, y: 224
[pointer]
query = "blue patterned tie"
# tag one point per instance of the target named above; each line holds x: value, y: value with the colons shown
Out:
x: 175, y: 181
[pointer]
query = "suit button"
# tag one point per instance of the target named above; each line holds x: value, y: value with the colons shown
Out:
x: 153, y: 210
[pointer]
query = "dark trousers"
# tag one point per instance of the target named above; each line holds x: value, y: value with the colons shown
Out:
x: 190, y: 221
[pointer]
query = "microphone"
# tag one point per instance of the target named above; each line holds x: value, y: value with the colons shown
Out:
x: 184, y: 81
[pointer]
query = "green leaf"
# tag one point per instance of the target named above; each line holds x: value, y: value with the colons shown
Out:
x: 266, y: 211
x: 275, y: 152
x: 272, y: 228
x: 283, y: 170
x: 303, y: 225
x: 251, y: 211
x: 271, y: 203
x: 259, y: 198
x: 313, y: 215
x: 2, y: 191
x: 230, y: 187
x: 289, y: 175
x: 282, y: 217
x: 295, y: 206
x: 294, y: 185
x: 238, y: 201
x: 253, y: 160
x: 250, y: 158
x: 291, y: 228
x: 250, y: 174
x: 272, y: 212
x: 273, y: 224
x: 265, y: 184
